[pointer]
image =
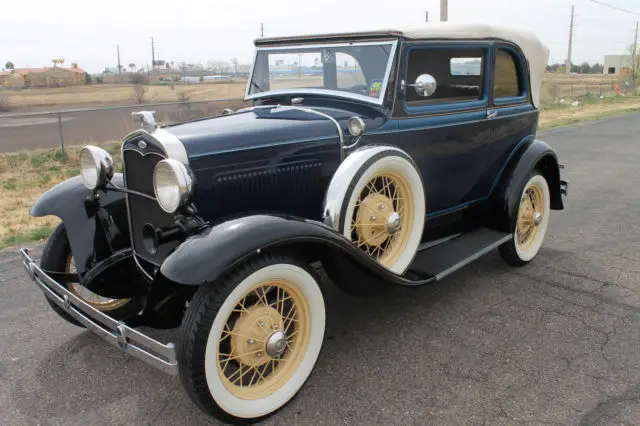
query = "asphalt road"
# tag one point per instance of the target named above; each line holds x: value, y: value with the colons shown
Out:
x: 42, y: 131
x: 557, y: 341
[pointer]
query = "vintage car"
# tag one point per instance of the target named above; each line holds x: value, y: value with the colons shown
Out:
x: 367, y: 159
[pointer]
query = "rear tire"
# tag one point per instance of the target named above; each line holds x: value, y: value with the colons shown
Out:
x: 226, y: 366
x: 531, y: 222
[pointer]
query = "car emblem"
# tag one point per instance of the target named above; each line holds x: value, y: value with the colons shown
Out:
x: 142, y: 144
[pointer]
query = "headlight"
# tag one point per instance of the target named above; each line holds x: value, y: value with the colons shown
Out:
x: 96, y: 166
x: 171, y: 184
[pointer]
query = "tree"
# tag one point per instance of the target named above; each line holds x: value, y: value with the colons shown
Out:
x: 9, y: 65
x: 87, y: 78
x: 234, y: 61
x: 597, y: 68
x: 585, y: 68
x: 57, y: 62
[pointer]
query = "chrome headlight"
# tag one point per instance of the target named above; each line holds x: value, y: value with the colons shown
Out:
x: 96, y: 166
x: 171, y: 184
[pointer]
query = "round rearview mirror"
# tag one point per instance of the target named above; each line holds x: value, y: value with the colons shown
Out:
x: 425, y: 85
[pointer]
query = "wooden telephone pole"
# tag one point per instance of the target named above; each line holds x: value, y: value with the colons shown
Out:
x: 634, y: 58
x: 568, y: 64
x: 444, y: 10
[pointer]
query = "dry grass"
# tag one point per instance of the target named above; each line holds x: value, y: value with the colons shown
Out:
x: 565, y: 114
x: 117, y: 94
x: 23, y: 178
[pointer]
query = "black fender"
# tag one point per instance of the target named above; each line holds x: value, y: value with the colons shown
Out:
x: 218, y: 250
x: 505, y: 198
x: 96, y: 227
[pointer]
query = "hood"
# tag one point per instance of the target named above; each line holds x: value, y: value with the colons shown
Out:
x: 262, y: 127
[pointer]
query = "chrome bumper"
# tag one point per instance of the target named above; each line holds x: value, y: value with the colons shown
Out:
x: 114, y: 332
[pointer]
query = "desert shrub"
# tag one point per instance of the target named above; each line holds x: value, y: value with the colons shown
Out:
x: 139, y: 92
x: 5, y: 105
x: 139, y: 78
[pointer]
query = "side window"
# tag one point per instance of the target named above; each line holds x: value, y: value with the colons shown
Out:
x: 507, y: 77
x: 458, y: 73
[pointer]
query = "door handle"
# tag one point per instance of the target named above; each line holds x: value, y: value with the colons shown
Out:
x: 492, y: 114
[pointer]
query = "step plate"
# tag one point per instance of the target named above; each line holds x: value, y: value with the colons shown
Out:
x: 448, y: 257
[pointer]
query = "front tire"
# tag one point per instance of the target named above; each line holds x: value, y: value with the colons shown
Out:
x: 250, y: 340
x: 57, y: 257
x: 531, y: 223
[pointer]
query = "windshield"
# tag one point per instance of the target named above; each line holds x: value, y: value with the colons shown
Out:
x: 355, y: 70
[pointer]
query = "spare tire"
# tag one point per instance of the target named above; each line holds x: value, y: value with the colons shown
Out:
x: 382, y: 209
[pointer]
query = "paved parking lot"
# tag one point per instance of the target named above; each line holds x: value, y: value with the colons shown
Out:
x: 557, y: 341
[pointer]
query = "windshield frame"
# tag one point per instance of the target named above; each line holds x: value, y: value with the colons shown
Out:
x: 330, y: 92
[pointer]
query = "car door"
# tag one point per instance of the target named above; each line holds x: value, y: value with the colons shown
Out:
x: 513, y: 117
x: 448, y: 132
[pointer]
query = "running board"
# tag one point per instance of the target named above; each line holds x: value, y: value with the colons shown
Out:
x: 445, y: 258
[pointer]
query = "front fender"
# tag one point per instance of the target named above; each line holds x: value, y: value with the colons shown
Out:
x: 207, y: 256
x: 530, y: 155
x: 70, y: 201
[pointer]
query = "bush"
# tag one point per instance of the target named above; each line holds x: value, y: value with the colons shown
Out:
x: 99, y: 80
x: 139, y: 91
x: 138, y: 78
x: 184, y: 96
x: 87, y: 78
x: 5, y: 105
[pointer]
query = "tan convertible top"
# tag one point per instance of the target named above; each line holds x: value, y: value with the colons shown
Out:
x: 536, y: 53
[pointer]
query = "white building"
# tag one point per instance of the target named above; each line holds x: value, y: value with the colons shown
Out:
x: 617, y: 64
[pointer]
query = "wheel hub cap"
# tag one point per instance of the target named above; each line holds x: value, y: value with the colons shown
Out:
x: 393, y: 223
x: 248, y: 338
x: 276, y: 344
x: 376, y: 219
x: 537, y: 218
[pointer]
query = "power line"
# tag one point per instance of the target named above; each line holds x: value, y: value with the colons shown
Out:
x: 601, y: 3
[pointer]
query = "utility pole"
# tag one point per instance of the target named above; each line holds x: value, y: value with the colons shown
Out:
x: 568, y: 64
x: 119, y: 66
x: 444, y: 10
x: 153, y: 54
x: 635, y: 58
x: 427, y: 17
x: 261, y: 29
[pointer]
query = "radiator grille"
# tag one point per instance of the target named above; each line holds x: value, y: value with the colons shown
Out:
x: 139, y: 177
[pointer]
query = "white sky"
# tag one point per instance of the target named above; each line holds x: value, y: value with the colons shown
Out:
x: 32, y: 32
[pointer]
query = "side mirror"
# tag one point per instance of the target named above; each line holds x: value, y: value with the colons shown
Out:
x: 425, y: 85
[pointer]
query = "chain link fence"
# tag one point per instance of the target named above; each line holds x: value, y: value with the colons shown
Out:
x: 60, y: 128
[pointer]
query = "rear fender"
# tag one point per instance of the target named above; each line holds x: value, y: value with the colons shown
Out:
x: 207, y: 256
x: 95, y: 229
x: 531, y: 154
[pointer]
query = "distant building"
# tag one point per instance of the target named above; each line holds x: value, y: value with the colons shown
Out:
x: 42, y: 77
x: 617, y: 64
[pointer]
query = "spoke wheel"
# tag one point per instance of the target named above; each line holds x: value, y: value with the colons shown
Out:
x: 383, y: 208
x: 263, y: 339
x: 530, y: 216
x: 382, y: 215
x: 250, y: 339
x: 101, y: 303
x: 531, y: 222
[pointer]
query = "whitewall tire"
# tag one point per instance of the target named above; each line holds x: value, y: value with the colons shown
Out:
x: 531, y: 222
x: 249, y: 343
x: 384, y: 210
